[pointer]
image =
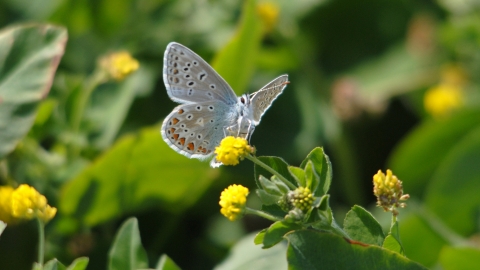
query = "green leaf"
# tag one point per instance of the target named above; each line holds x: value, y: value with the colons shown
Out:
x: 312, y: 179
x: 392, y: 244
x: 277, y: 164
x: 259, y: 237
x: 323, y: 168
x: 79, y: 264
x: 361, y: 226
x: 274, y: 210
x: 276, y: 231
x: 53, y: 264
x: 246, y: 255
x: 3, y: 225
x: 298, y: 174
x: 166, y: 263
x: 395, y: 233
x: 428, y: 145
x: 139, y: 171
x: 127, y: 251
x: 453, y: 191
x: 236, y: 62
x: 268, y: 186
x: 465, y: 258
x: 267, y: 198
x: 29, y: 56
x: 310, y: 249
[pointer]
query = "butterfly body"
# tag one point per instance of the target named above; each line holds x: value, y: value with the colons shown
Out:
x: 209, y: 109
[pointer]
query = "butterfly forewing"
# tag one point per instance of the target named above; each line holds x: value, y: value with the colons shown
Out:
x: 189, y: 79
x: 194, y: 130
x: 263, y: 98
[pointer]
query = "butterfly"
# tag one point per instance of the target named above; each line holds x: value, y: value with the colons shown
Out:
x: 209, y: 109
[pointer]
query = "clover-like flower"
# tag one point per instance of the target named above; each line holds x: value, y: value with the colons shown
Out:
x: 232, y: 149
x: 24, y: 203
x: 301, y: 198
x: 442, y: 99
x: 389, y: 191
x: 232, y: 201
x: 119, y: 65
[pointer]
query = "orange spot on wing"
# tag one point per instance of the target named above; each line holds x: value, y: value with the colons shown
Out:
x: 175, y: 121
x: 190, y: 146
x: 172, y: 130
x: 182, y: 141
x: 181, y: 111
x: 175, y: 136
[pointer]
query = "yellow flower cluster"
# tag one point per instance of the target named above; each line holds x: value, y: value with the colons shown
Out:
x: 24, y: 203
x: 268, y: 13
x: 232, y: 201
x: 232, y: 149
x: 389, y: 191
x: 119, y: 65
x: 301, y: 198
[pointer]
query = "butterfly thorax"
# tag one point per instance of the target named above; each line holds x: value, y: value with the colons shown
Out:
x: 244, y: 126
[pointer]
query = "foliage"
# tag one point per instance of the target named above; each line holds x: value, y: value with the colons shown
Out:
x: 359, y: 74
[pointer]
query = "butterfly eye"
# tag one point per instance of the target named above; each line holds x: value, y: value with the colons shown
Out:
x: 242, y: 100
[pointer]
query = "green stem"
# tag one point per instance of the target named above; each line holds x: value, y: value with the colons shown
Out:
x: 41, y: 241
x: 261, y: 214
x: 84, y: 96
x: 272, y: 171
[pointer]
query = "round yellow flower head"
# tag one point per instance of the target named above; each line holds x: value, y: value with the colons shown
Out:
x: 232, y: 149
x: 119, y: 65
x: 389, y: 191
x: 27, y: 203
x: 232, y: 201
x: 301, y: 198
x: 268, y: 13
x: 442, y: 99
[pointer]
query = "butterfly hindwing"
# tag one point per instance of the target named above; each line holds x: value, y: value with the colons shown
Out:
x: 263, y: 98
x: 189, y: 79
x: 194, y: 130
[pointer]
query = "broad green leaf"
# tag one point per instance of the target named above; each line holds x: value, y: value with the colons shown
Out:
x: 427, y: 146
x: 140, y: 170
x: 3, y: 225
x: 259, y: 237
x: 395, y: 233
x: 311, y: 177
x: 452, y: 193
x: 29, y: 56
x: 127, y: 251
x: 392, y: 244
x: 310, y: 249
x: 323, y: 168
x: 420, y: 242
x: 276, y: 231
x: 79, y: 264
x: 166, y: 263
x: 361, y: 226
x: 268, y: 186
x: 246, y: 255
x: 280, y: 184
x: 298, y: 174
x: 111, y: 107
x: 464, y: 258
x: 53, y: 264
x: 237, y: 60
x: 277, y: 164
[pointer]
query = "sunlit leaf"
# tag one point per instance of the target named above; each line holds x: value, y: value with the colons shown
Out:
x: 127, y: 251
x: 363, y: 227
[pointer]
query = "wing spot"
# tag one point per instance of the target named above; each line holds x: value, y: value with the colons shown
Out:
x: 187, y: 76
x: 181, y: 53
x: 202, y: 76
x: 181, y: 141
x: 191, y: 83
x: 186, y: 69
x: 175, y: 71
x: 182, y: 125
x: 180, y: 111
x: 190, y: 92
x: 211, y: 108
x: 176, y: 58
x: 190, y: 116
x: 195, y: 63
x: 199, y: 136
x: 189, y: 64
x: 192, y: 134
x: 176, y: 80
x: 185, y: 130
x: 199, y: 108
x: 175, y: 121
x: 175, y: 137
x: 212, y: 86
x: 190, y: 146
x: 172, y: 130
x: 211, y: 120
x: 200, y: 122
x: 206, y: 142
x: 175, y: 64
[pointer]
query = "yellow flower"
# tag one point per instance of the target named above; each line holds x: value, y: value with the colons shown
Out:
x: 301, y: 198
x: 232, y: 201
x: 119, y: 65
x: 442, y: 99
x: 5, y: 205
x: 25, y: 203
x: 389, y: 191
x: 232, y: 149
x: 268, y: 13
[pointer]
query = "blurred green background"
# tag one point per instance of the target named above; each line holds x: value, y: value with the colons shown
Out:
x: 360, y: 74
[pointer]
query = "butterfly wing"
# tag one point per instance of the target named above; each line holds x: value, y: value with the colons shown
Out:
x: 189, y: 79
x: 261, y: 100
x: 194, y: 130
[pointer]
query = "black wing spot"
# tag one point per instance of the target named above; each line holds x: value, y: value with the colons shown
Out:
x: 176, y: 80
x: 182, y: 125
x: 190, y: 91
x: 186, y: 69
x: 199, y: 136
x: 187, y: 76
x: 202, y: 76
x: 199, y: 108
x: 189, y: 117
x: 212, y: 86
x: 211, y: 120
x: 191, y: 83
x: 189, y: 64
x: 211, y: 108
x: 195, y: 63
